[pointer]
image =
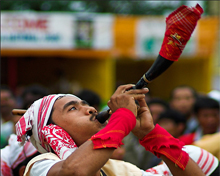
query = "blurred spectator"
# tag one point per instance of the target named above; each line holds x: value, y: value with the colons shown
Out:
x: 90, y: 97
x: 157, y: 106
x: 62, y: 83
x: 14, y: 157
x: 8, y: 103
x: 172, y: 121
x: 31, y: 94
x: 134, y: 152
x: 18, y: 92
x: 207, y: 112
x: 182, y: 99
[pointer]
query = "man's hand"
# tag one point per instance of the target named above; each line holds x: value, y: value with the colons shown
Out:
x: 125, y: 98
x: 144, y: 123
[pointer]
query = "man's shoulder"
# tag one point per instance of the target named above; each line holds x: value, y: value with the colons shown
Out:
x: 44, y: 156
x: 121, y: 168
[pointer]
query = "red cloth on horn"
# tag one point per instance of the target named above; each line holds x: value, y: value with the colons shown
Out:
x: 120, y: 124
x: 160, y: 142
x: 179, y: 26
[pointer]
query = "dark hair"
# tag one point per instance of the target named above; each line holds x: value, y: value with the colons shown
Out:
x: 50, y: 120
x: 158, y: 101
x: 194, y: 93
x: 173, y: 115
x: 205, y: 103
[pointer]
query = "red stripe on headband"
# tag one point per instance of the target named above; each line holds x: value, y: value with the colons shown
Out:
x: 21, y: 128
x: 43, y: 112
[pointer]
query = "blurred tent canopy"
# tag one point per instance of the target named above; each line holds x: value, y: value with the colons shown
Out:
x: 107, y: 6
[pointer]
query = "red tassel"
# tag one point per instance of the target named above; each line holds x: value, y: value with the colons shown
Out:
x: 180, y: 24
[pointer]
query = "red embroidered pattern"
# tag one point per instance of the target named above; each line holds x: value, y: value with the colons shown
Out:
x: 59, y: 140
x: 152, y: 170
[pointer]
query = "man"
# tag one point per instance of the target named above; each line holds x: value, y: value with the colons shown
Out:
x: 182, y: 99
x: 67, y: 126
x: 78, y: 120
x: 8, y: 103
x: 157, y: 106
x: 207, y: 113
x: 172, y: 121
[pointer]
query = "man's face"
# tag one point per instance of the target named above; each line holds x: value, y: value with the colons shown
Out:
x: 156, y: 110
x: 7, y: 102
x: 183, y: 100
x: 209, y: 120
x: 168, y: 125
x: 76, y: 118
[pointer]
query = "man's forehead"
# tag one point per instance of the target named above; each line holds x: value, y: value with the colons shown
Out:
x: 182, y: 91
x: 63, y: 100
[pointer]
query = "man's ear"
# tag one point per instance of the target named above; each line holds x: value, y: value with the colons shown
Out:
x: 21, y: 170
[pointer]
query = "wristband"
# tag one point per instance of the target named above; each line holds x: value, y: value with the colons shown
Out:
x: 122, y: 121
x: 160, y: 142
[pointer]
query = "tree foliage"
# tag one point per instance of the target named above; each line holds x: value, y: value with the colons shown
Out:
x: 102, y: 6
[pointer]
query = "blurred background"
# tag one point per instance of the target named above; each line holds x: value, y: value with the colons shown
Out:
x: 67, y: 46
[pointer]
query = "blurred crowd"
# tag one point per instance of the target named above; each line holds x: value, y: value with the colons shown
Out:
x: 188, y: 115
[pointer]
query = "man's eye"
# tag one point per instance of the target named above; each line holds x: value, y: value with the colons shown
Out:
x: 73, y: 108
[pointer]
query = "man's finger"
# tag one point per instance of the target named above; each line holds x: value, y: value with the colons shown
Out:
x: 138, y: 96
x: 138, y: 91
x: 142, y: 102
x: 123, y: 88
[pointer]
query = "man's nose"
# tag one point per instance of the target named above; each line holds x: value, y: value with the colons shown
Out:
x: 91, y: 110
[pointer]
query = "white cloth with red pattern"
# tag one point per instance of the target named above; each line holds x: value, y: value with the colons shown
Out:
x: 43, y: 138
x: 59, y: 140
x: 13, y: 154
